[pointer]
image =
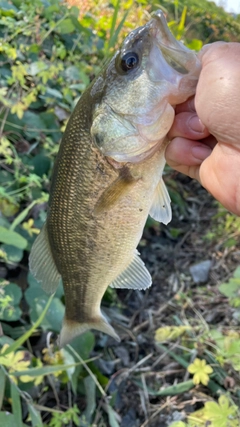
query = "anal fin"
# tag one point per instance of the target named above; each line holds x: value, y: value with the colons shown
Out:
x: 41, y: 263
x: 135, y: 276
x: 161, y: 208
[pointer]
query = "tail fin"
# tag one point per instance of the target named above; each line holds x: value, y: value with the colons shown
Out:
x: 71, y: 329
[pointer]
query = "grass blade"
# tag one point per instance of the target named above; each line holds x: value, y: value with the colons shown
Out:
x: 215, y: 388
x: 112, y: 417
x: 114, y: 31
x: 114, y: 20
x: 172, y: 390
x: 35, y: 416
x: 183, y: 19
x: 178, y: 359
x: 90, y: 388
x: 113, y: 39
x: 2, y: 386
x: 50, y: 369
x: 16, y: 404
x: 22, y: 216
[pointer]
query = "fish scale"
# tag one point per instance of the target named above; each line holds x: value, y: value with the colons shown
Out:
x: 107, y: 176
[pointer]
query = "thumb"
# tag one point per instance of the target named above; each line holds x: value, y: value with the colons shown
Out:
x: 217, y: 98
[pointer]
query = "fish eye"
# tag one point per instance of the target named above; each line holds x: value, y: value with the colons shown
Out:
x: 129, y: 61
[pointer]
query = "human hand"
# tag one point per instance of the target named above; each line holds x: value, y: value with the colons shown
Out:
x: 205, y: 136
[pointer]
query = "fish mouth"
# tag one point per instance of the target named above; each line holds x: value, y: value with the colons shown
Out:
x: 178, y: 56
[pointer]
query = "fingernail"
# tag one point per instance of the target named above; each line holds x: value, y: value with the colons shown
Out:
x: 195, y: 124
x: 201, y: 152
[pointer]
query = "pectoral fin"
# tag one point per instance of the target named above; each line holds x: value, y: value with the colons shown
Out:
x: 41, y: 263
x: 135, y: 276
x: 118, y: 189
x: 161, y: 208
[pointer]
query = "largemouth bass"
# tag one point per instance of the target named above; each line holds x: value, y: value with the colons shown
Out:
x: 107, y: 176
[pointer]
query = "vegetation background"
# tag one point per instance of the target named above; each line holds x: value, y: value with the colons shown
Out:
x: 179, y: 361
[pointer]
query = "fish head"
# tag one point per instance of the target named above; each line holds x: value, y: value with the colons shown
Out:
x: 137, y: 92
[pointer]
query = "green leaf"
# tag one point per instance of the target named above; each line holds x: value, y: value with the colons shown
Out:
x: 7, y: 6
x: 53, y: 93
x: 68, y: 360
x: 84, y: 344
x: 36, y: 298
x: 195, y: 44
x: 12, y: 238
x: 33, y: 124
x: 11, y: 311
x: 66, y: 26
x: 14, y: 255
x: 80, y: 349
x: 230, y: 289
x: 16, y: 404
x: 8, y: 207
x: 5, y: 340
x: 236, y: 273
x: 49, y: 11
x: 171, y: 332
x: 36, y: 67
x: 14, y: 291
x: 90, y: 389
x: 8, y: 420
x: 13, y: 332
x: 72, y: 73
x: 220, y: 414
x: 23, y: 338
x: 33, y: 283
x: 41, y: 164
x: 11, y: 314
x: 2, y: 386
x: 75, y: 20
x: 34, y: 48
x: 4, y: 222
